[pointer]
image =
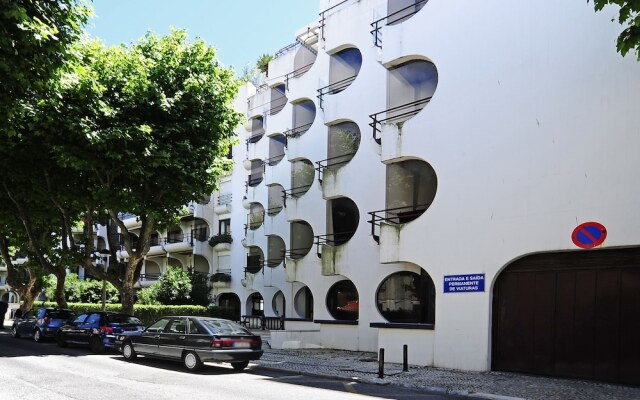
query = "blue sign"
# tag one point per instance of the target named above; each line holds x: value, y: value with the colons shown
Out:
x: 464, y: 283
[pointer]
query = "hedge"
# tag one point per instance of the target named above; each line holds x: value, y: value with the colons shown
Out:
x: 148, y: 313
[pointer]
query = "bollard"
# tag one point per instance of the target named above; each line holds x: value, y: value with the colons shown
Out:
x: 381, y: 364
x: 405, y: 358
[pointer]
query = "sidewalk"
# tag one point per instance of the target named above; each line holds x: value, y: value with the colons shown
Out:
x: 363, y: 367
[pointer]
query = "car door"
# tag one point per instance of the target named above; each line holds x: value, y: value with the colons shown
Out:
x: 172, y: 340
x: 147, y: 342
x: 27, y: 323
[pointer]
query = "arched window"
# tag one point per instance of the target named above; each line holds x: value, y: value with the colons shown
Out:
x: 343, y: 302
x: 407, y: 297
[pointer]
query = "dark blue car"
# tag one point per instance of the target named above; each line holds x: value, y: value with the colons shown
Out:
x: 41, y: 324
x: 98, y: 330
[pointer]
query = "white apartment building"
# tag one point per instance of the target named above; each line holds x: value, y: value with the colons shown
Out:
x: 460, y: 177
x: 456, y: 176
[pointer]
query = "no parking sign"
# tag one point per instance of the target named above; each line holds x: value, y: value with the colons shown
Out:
x: 589, y: 235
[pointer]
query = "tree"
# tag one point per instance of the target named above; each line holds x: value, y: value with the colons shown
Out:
x: 629, y: 38
x: 174, y: 287
x: 35, y: 37
x: 262, y: 64
x: 154, y: 121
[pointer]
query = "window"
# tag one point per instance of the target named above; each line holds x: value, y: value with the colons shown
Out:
x: 224, y: 226
x: 177, y: 326
x: 158, y: 326
x: 193, y: 327
x: 343, y: 302
x: 93, y: 319
x: 78, y: 320
x: 407, y: 297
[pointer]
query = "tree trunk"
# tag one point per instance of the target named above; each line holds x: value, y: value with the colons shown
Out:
x: 61, y: 299
x: 130, y: 278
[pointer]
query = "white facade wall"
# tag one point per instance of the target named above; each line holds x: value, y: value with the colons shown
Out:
x: 532, y: 130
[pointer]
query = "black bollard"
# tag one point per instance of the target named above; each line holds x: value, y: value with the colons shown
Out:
x: 405, y: 358
x: 381, y: 364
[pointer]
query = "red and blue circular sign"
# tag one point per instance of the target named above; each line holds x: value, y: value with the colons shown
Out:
x: 589, y: 235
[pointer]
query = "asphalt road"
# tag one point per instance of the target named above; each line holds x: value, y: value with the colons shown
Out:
x: 44, y: 371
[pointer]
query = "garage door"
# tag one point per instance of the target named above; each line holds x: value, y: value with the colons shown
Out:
x: 570, y: 314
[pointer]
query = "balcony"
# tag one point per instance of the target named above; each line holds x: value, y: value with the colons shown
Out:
x: 223, y: 205
x: 147, y: 280
x: 221, y: 279
x: 394, y: 216
x: 396, y: 16
x: 396, y: 115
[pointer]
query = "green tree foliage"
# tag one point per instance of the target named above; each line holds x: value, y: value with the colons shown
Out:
x: 153, y: 123
x: 35, y: 36
x: 263, y: 63
x: 174, y: 287
x: 629, y: 17
x: 83, y: 290
x: 177, y: 287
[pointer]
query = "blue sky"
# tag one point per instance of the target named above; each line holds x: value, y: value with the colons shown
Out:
x: 240, y: 30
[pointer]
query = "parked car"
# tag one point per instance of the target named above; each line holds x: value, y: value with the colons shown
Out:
x: 41, y: 324
x: 194, y: 340
x: 98, y: 330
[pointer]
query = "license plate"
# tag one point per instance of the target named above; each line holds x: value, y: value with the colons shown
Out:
x: 241, y: 344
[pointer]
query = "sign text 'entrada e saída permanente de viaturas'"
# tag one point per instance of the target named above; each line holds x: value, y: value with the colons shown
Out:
x: 464, y: 283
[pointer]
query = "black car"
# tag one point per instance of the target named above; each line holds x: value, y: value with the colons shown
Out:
x: 98, y: 330
x: 194, y: 340
x: 41, y: 324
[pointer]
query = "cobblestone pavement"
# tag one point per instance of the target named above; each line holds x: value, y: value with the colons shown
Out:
x: 363, y: 366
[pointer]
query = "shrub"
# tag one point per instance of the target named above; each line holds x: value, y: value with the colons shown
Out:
x: 221, y: 238
x: 86, y: 290
x: 174, y: 287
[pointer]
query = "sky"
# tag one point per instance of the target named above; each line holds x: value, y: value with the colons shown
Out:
x: 240, y: 30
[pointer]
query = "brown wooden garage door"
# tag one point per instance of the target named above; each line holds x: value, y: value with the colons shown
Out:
x: 570, y: 314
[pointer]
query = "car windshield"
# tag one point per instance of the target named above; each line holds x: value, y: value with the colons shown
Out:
x: 124, y: 319
x: 61, y: 314
x: 222, y: 327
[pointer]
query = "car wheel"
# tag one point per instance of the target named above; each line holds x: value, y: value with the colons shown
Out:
x: 240, y: 365
x: 61, y: 339
x: 96, y: 345
x: 128, y: 352
x: 37, y: 335
x: 14, y: 330
x: 191, y: 361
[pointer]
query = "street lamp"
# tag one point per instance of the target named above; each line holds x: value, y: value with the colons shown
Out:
x: 104, y: 256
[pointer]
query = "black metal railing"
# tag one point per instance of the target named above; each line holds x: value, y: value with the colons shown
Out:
x: 200, y: 234
x: 332, y: 162
x: 298, y: 253
x: 274, y: 210
x: 297, y: 73
x: 335, y: 87
x: 273, y: 262
x: 294, y: 192
x: 332, y: 239
x: 399, y: 114
x: 323, y: 17
x: 255, y: 220
x: 254, y: 180
x: 397, y: 215
x: 296, y: 132
x: 255, y: 137
x: 286, y: 49
x: 273, y: 160
x: 277, y: 107
x: 375, y: 25
x: 262, y: 322
x: 149, y: 277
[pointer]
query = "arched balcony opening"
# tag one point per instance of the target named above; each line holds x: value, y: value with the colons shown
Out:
x: 343, y: 217
x: 278, y: 99
x: 410, y: 87
x: 302, y: 175
x: 275, y: 200
x: 275, y: 251
x: 303, y: 303
x: 411, y: 187
x: 255, y: 218
x: 304, y: 113
x: 301, y: 240
x: 255, y: 260
x: 343, y: 144
x: 344, y: 67
x: 277, y: 144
